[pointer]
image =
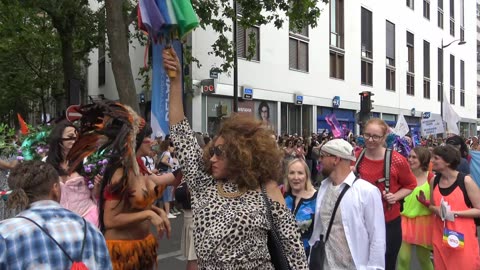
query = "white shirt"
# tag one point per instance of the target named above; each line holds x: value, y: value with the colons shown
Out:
x: 363, y: 221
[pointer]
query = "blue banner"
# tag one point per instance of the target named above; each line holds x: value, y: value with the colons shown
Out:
x: 161, y: 88
x: 475, y: 166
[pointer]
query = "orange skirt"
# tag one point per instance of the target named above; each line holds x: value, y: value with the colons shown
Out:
x: 417, y: 230
x: 133, y: 254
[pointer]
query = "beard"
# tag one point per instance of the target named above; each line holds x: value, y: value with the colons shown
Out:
x: 326, y: 171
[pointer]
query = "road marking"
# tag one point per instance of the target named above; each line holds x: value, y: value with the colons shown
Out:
x: 169, y: 255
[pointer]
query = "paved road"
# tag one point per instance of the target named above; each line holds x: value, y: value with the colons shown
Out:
x: 170, y: 256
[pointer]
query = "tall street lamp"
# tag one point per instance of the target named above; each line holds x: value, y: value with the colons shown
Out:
x: 460, y: 42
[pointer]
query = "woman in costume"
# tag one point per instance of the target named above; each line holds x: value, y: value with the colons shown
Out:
x: 127, y: 190
x: 232, y: 183
x: 416, y: 217
x: 77, y: 196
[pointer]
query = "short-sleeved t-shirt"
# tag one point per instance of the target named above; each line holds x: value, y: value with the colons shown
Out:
x: 401, y: 176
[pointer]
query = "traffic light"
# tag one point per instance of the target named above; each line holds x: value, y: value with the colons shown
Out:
x: 366, y: 101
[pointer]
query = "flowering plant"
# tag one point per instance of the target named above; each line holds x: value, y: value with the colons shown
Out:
x: 7, y: 144
x: 94, y: 165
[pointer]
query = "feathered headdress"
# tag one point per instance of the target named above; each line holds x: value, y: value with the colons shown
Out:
x: 111, y: 127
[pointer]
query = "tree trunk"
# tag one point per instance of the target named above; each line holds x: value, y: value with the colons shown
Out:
x: 44, y: 109
x: 118, y: 43
x: 67, y: 63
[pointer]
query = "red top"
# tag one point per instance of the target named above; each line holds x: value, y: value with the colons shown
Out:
x: 401, y: 176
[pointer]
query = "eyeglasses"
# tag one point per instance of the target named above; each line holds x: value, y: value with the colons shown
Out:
x: 325, y: 154
x: 374, y: 137
x: 216, y: 150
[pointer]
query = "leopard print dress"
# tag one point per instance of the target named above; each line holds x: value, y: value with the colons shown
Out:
x: 231, y: 233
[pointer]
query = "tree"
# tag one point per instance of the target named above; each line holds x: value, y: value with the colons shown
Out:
x: 118, y: 39
x: 76, y: 25
x: 220, y: 13
x: 29, y: 60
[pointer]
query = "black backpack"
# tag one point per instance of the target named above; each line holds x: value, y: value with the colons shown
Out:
x: 461, y: 184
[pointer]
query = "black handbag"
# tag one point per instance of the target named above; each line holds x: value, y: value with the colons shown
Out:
x: 275, y: 247
x: 317, y: 251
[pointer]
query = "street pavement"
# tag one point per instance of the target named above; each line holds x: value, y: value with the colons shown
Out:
x: 170, y: 256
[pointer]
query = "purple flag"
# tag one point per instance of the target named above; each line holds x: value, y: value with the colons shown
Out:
x: 334, y: 125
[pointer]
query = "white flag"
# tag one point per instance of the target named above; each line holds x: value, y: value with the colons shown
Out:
x: 450, y: 117
x: 401, y: 128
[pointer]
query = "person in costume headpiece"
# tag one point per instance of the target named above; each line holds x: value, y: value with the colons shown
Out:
x: 128, y: 189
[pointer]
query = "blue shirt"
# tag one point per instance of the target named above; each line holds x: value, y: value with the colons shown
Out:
x: 25, y: 246
x: 304, y: 214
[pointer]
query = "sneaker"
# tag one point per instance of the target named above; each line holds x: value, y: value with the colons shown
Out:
x: 171, y: 216
x: 175, y: 211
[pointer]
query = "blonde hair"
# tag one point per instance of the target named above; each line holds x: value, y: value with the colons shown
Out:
x: 379, y: 122
x: 308, y: 182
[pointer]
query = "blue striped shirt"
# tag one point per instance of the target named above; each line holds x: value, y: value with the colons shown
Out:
x: 25, y: 246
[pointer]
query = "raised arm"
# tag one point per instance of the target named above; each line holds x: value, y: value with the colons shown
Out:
x: 190, y: 155
x: 171, y: 62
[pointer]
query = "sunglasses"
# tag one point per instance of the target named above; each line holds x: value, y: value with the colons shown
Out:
x: 216, y: 150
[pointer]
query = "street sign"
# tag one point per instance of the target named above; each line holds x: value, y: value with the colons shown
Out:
x: 214, y: 73
x: 247, y: 93
x: 298, y: 100
x: 336, y: 102
x: 73, y: 113
x: 208, y: 86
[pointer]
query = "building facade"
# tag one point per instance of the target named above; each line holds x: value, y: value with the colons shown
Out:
x: 393, y: 49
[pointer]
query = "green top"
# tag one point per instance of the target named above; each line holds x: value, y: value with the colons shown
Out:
x: 412, y: 207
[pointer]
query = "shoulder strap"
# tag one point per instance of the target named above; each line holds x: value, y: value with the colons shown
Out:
x: 55, y: 241
x: 436, y: 180
x: 360, y: 157
x: 461, y: 184
x: 386, y: 168
x: 337, y: 203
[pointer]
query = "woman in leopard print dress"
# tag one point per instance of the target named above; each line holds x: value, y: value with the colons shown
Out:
x: 230, y: 218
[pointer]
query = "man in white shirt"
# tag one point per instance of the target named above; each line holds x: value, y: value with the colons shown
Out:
x: 357, y: 236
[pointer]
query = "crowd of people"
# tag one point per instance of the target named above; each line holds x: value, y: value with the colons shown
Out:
x: 250, y: 201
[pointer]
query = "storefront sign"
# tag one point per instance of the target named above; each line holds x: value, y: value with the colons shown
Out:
x: 246, y: 107
x: 432, y: 125
x: 336, y: 102
x: 298, y: 100
x: 247, y: 93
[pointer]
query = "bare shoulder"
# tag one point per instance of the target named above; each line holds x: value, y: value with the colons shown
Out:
x: 117, y: 175
x: 470, y: 183
x: 274, y: 192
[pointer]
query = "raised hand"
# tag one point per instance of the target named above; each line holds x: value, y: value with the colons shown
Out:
x: 422, y: 199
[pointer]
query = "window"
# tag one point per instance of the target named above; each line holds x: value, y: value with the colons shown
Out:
x: 462, y: 83
x: 452, y: 79
x: 390, y: 53
x: 440, y: 74
x: 245, y: 43
x: 367, y: 53
x: 440, y: 14
x: 336, y: 24
x: 462, y: 21
x: 298, y: 49
x: 248, y: 39
x: 337, y: 46
x: 426, y: 69
x: 452, y: 17
x: 426, y: 9
x: 410, y: 3
x: 411, y: 65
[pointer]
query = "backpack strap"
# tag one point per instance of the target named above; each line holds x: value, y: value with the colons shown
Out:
x: 55, y: 241
x: 461, y: 184
x: 359, y: 159
x: 387, y: 164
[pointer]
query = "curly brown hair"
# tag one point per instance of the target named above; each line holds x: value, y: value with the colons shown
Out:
x: 30, y: 181
x: 251, y: 151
